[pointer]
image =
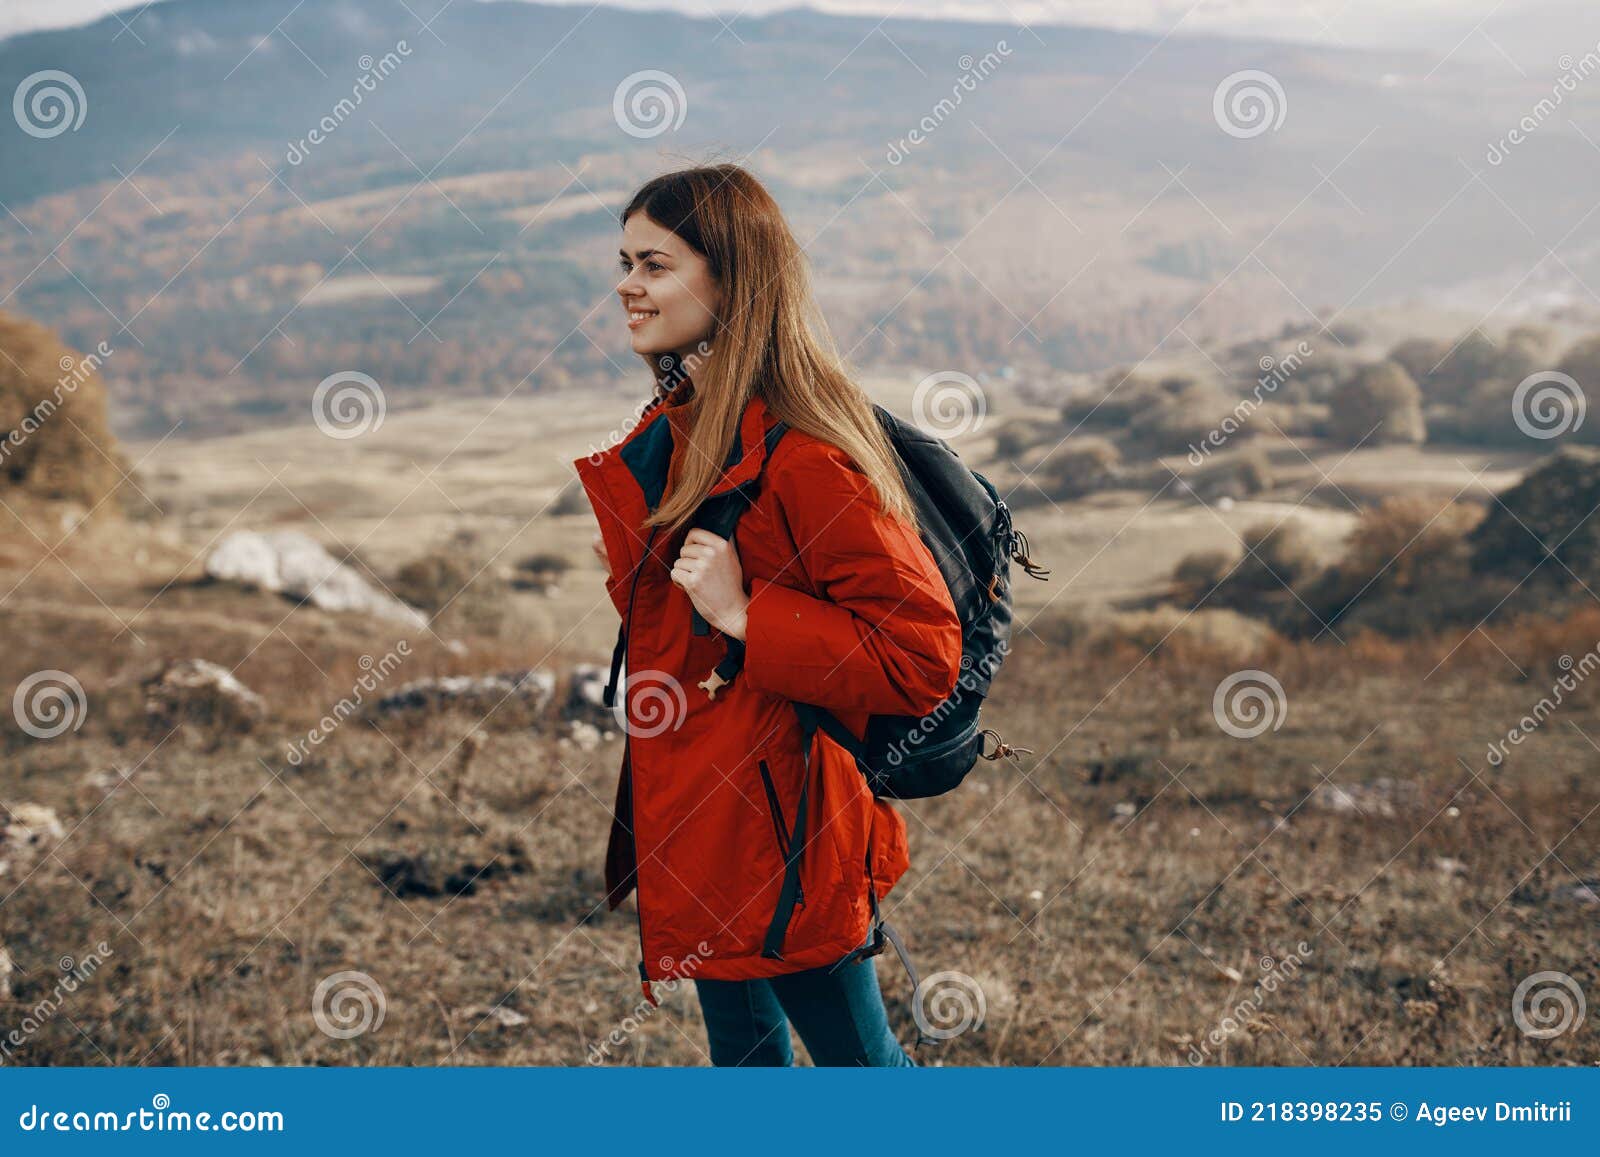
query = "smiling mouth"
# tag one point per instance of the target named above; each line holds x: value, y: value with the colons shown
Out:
x: 640, y: 316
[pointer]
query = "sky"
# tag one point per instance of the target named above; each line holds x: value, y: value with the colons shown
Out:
x: 1415, y: 24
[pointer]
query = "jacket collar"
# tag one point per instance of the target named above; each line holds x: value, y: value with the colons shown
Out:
x: 650, y: 449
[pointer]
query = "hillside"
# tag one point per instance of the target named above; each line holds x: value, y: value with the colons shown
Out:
x: 1079, y: 204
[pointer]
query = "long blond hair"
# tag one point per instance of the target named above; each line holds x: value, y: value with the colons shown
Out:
x: 770, y: 339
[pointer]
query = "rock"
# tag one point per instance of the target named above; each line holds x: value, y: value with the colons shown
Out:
x: 531, y: 688
x: 1449, y: 866
x: 582, y: 735
x: 107, y: 778
x: 197, y: 690
x: 1378, y: 798
x: 1582, y: 892
x: 500, y: 1016
x: 6, y: 968
x: 294, y: 564
x: 27, y: 833
x: 586, y: 694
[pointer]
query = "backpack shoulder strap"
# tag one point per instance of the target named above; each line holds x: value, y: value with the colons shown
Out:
x: 720, y: 515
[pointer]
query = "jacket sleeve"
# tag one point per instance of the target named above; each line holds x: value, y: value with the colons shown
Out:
x: 884, y: 637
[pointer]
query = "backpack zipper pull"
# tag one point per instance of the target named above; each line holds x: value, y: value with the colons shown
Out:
x: 1002, y: 748
x: 1019, y: 552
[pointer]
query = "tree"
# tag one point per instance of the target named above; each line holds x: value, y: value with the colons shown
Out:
x: 1379, y: 403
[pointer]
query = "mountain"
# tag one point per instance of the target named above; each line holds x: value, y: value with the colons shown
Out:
x: 970, y: 195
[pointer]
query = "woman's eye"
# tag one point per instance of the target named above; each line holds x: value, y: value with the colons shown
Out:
x: 655, y: 266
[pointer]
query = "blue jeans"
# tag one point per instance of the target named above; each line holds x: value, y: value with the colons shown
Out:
x: 837, y: 1010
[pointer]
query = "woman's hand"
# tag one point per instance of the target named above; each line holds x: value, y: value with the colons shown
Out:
x: 708, y: 570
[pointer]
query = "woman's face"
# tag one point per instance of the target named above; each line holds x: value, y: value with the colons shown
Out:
x: 668, y: 281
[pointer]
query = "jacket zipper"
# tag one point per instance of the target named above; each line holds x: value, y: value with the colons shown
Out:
x: 633, y: 805
x: 779, y: 825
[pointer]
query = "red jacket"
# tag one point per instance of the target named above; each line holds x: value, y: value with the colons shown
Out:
x: 847, y: 611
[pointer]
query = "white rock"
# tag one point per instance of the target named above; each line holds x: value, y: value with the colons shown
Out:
x: 296, y: 565
x: 1378, y: 798
x: 1584, y: 892
x: 27, y: 831
x: 534, y: 686
x: 181, y: 681
x: 586, y: 736
x: 499, y: 1015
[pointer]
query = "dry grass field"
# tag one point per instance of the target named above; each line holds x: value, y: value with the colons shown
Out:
x: 1118, y: 897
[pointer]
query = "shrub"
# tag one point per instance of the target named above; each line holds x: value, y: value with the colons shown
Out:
x: 1080, y: 467
x: 1277, y: 559
x: 1013, y: 439
x: 434, y: 580
x: 1403, y: 538
x: 1180, y: 417
x: 1378, y: 403
x: 55, y: 443
x: 540, y: 570
x: 1199, y: 572
x: 1451, y: 374
x: 1405, y: 570
x: 1244, y: 472
x: 571, y: 500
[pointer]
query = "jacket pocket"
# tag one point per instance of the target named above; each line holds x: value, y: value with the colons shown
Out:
x: 780, y: 827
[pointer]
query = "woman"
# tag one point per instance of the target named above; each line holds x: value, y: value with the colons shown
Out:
x: 758, y: 852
